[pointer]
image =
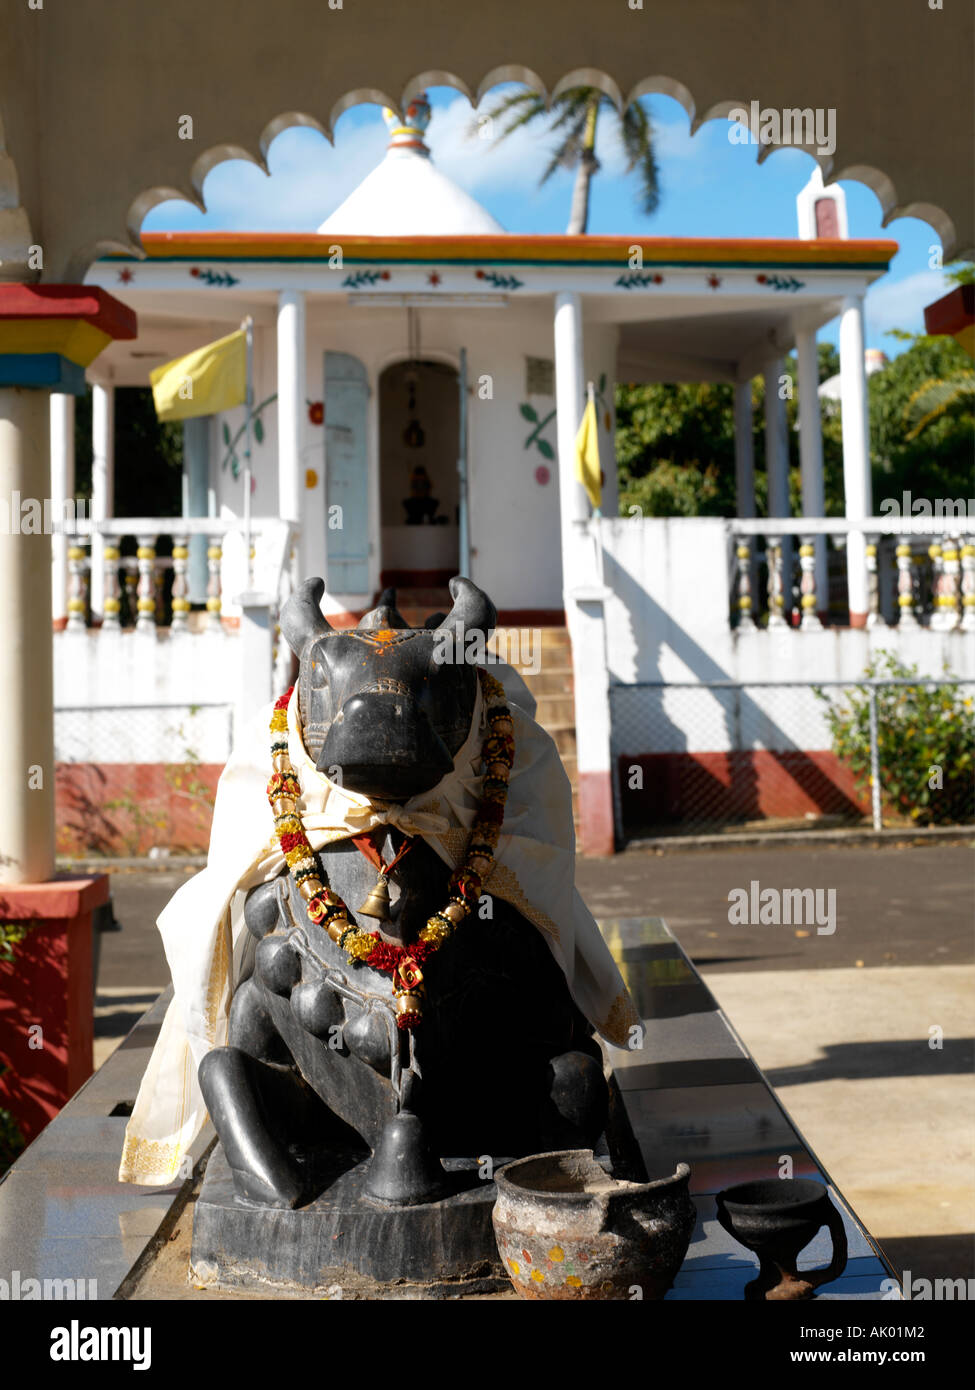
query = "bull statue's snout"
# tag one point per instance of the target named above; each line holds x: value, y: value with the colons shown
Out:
x: 385, y: 747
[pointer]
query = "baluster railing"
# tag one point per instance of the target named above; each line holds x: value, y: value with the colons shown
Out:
x: 776, y: 590
x: 743, y: 555
x: 146, y: 604
x: 936, y: 556
x: 968, y: 587
x: 905, y: 586
x: 77, y: 605
x: 111, y: 607
x: 181, y: 588
x: 951, y: 583
x: 214, y: 599
x: 808, y: 600
x: 874, y: 616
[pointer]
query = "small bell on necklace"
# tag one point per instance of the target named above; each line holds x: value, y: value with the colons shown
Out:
x: 377, y: 903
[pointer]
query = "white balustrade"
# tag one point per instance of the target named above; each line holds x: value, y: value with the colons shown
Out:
x: 134, y: 586
x: 925, y: 546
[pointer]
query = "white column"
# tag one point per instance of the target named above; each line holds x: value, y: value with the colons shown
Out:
x: 27, y: 687
x: 293, y: 503
x: 62, y: 487
x: 570, y: 397
x: 811, y: 452
x: 744, y: 450
x: 102, y: 485
x: 856, y: 453
x: 776, y: 440
x: 777, y: 469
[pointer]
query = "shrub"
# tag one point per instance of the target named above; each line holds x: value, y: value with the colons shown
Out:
x: 925, y: 743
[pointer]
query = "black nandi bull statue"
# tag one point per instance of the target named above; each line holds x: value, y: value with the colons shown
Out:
x: 503, y: 1063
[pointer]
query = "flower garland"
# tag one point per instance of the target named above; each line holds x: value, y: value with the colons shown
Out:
x: 327, y: 909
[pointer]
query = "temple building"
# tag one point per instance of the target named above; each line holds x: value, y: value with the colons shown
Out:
x: 419, y: 379
x: 423, y: 370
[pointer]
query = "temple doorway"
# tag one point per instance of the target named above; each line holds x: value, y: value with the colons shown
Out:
x: 419, y: 444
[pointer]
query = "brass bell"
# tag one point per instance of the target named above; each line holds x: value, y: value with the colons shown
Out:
x: 377, y: 903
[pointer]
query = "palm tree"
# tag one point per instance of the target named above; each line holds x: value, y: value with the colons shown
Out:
x: 576, y: 113
x: 935, y: 397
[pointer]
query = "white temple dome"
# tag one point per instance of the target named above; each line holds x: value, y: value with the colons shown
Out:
x: 406, y: 195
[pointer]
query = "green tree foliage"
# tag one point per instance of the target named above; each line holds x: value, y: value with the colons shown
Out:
x: 675, y: 448
x: 675, y: 445
x: 938, y: 461
x: 148, y: 455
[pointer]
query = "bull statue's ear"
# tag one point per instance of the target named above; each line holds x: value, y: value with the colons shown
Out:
x: 473, y: 611
x: 302, y: 620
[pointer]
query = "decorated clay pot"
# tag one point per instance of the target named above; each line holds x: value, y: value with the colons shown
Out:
x: 566, y: 1229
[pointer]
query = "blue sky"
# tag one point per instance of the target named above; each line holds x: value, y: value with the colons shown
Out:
x: 710, y: 186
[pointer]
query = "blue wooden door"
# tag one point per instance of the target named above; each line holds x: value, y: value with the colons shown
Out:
x: 346, y: 473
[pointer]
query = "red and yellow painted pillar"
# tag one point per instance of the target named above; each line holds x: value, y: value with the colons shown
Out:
x: 49, y: 334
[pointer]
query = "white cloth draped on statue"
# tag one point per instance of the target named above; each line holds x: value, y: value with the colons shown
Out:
x: 208, y: 946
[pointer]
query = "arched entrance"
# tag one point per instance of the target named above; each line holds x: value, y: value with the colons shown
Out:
x: 419, y: 442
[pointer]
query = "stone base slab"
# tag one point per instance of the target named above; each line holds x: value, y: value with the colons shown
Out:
x: 345, y: 1244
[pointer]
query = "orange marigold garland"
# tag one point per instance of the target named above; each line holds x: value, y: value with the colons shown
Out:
x: 327, y: 908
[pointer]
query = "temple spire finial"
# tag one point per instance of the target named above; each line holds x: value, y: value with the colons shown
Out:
x: 408, y: 133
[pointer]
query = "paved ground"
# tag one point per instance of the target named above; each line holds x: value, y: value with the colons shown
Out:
x: 841, y: 1023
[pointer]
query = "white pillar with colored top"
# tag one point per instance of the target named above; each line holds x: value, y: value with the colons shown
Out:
x: 583, y: 592
x: 811, y: 452
x: 62, y: 488
x: 777, y: 470
x: 301, y: 494
x: 102, y: 485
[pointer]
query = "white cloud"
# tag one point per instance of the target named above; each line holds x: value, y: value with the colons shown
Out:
x: 901, y: 303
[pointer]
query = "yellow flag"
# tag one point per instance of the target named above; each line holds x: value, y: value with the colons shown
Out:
x: 587, y: 455
x: 201, y: 383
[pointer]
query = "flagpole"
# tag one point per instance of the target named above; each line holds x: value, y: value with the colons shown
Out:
x: 248, y: 326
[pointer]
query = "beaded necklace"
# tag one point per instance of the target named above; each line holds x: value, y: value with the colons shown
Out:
x: 327, y: 909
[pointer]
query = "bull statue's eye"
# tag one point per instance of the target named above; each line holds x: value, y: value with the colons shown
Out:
x: 317, y: 674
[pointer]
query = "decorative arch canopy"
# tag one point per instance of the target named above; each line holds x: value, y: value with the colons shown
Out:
x: 100, y: 119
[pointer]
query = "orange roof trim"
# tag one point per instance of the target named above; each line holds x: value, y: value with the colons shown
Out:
x: 562, y: 249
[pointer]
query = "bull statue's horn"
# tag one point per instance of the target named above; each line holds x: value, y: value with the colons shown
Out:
x: 473, y: 611
x: 302, y: 620
x: 385, y: 614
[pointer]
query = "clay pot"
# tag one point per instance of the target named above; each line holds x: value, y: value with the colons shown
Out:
x: 566, y: 1229
x: 777, y: 1218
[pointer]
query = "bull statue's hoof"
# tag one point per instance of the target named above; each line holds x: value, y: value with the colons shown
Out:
x: 404, y: 1171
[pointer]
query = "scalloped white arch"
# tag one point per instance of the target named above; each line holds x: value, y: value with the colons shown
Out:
x: 875, y: 179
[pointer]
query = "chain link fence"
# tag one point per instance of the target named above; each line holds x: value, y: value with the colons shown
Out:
x: 719, y: 756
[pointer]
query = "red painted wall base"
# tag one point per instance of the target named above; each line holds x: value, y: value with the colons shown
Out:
x: 128, y: 808
x: 47, y: 997
x: 596, y: 835
x: 698, y: 788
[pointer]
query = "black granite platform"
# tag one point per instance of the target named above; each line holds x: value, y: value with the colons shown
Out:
x: 692, y: 1093
x: 345, y: 1237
